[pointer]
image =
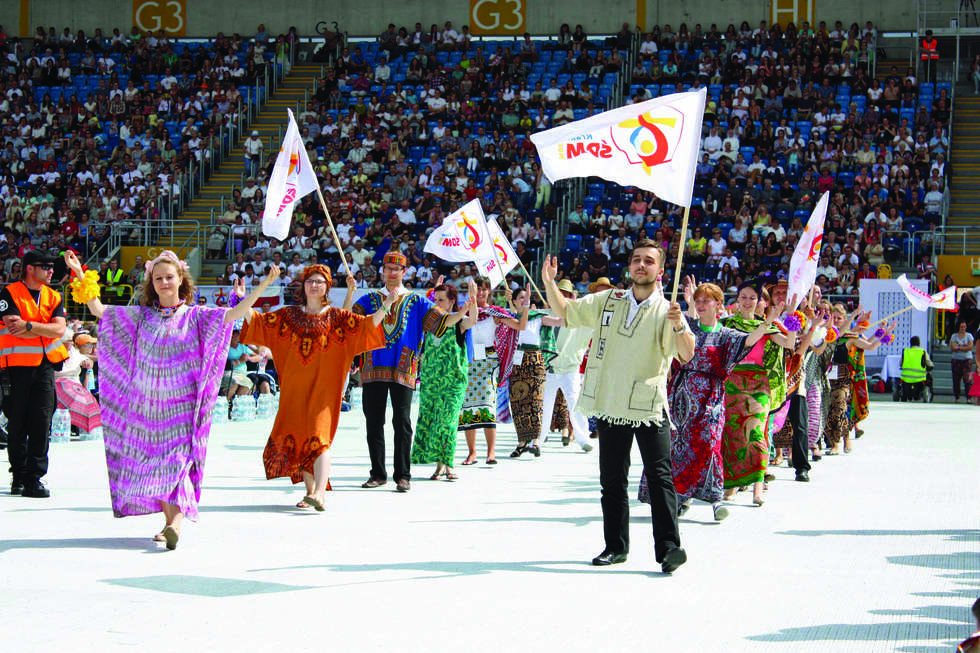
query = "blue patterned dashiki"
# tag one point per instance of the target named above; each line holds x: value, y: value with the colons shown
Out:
x: 405, y: 326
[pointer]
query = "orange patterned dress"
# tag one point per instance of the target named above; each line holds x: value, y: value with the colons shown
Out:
x: 313, y: 354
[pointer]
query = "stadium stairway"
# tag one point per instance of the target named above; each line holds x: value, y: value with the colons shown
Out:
x: 272, y: 117
x: 964, y: 209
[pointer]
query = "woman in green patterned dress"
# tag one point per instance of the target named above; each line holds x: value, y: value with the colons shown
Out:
x: 443, y: 377
x: 757, y: 384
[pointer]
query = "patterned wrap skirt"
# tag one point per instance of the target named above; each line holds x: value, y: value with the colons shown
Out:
x: 527, y: 395
x: 745, y: 441
x: 480, y: 401
x: 559, y: 417
x: 839, y: 422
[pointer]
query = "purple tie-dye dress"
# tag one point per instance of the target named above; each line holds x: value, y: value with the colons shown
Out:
x: 159, y: 381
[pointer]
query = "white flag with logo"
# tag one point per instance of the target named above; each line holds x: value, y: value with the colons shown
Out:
x: 292, y: 178
x: 503, y: 258
x: 652, y: 145
x: 806, y: 256
x: 462, y: 237
x: 921, y: 300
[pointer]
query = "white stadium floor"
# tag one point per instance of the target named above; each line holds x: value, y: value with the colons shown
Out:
x: 880, y: 552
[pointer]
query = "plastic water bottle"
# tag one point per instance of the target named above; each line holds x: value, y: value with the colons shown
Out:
x: 249, y: 408
x: 237, y: 410
x: 94, y: 434
x: 265, y: 407
x: 220, y: 413
x: 61, y: 426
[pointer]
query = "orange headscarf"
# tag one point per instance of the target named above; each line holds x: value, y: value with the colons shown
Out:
x: 317, y: 268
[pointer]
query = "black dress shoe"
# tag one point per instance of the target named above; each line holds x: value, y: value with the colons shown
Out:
x: 16, y: 488
x: 35, y: 491
x: 673, y: 559
x: 803, y: 476
x: 373, y: 482
x: 607, y: 558
x: 403, y: 485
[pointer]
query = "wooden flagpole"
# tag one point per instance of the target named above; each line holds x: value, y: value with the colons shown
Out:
x: 680, y: 255
x: 888, y: 317
x: 333, y: 232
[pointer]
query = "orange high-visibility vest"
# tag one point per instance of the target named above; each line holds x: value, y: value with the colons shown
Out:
x: 28, y: 352
x: 930, y: 49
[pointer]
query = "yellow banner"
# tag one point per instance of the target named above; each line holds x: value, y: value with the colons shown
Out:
x: 965, y: 270
x: 155, y: 15
x: 498, y: 17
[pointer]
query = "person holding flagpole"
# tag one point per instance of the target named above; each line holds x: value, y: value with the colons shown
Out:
x: 637, y: 334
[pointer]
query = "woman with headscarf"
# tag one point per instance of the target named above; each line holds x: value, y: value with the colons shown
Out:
x: 313, y: 345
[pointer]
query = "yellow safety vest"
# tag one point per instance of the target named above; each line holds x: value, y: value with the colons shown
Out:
x: 913, y: 365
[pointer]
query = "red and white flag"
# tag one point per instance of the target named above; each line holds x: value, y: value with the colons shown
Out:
x: 462, y: 237
x: 652, y: 145
x: 806, y: 256
x: 921, y: 300
x: 292, y: 178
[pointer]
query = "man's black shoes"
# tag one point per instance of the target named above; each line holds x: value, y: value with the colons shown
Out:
x: 607, y: 558
x: 673, y: 559
x: 35, y: 491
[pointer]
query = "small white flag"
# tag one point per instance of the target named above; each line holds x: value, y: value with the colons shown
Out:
x: 504, y: 257
x: 652, y: 145
x: 292, y: 178
x: 921, y: 300
x: 462, y: 237
x: 803, y: 265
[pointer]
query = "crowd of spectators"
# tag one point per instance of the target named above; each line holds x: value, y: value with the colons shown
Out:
x: 405, y: 129
x: 100, y: 129
x: 791, y: 113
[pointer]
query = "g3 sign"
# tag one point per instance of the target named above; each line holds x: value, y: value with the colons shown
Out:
x: 156, y: 15
x: 498, y: 17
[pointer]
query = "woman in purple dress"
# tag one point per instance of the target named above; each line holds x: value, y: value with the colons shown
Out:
x: 696, y: 393
x: 160, y: 364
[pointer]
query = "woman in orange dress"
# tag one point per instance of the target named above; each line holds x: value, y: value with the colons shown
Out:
x: 313, y: 345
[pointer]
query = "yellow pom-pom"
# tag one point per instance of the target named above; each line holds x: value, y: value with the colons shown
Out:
x: 86, y: 288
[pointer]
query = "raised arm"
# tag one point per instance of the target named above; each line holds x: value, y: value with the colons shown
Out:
x: 243, y: 309
x: 521, y: 323
x: 379, y: 314
x: 472, y: 310
x: 556, y: 300
x: 351, y: 287
x: 94, y: 305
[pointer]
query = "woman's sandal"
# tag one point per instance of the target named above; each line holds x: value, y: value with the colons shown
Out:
x: 171, y: 536
x: 159, y: 537
x: 471, y: 461
x: 313, y: 502
x: 435, y: 476
x: 450, y: 476
x: 303, y: 504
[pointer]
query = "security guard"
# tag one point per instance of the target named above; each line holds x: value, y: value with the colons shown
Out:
x: 30, y: 351
x: 915, y: 371
x: 113, y: 280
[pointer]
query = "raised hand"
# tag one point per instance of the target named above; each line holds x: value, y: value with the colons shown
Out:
x: 550, y: 269
x: 674, y: 315
x: 73, y: 263
x: 238, y: 287
x: 689, y: 287
x: 273, y: 274
x: 351, y: 282
x: 527, y: 295
x: 439, y: 281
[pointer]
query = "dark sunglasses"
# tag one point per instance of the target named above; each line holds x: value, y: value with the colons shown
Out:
x: 44, y: 266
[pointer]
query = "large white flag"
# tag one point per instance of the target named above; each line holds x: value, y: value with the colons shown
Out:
x: 292, y: 178
x: 462, y: 237
x: 652, y: 145
x: 806, y: 256
x: 921, y: 300
x: 503, y: 258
